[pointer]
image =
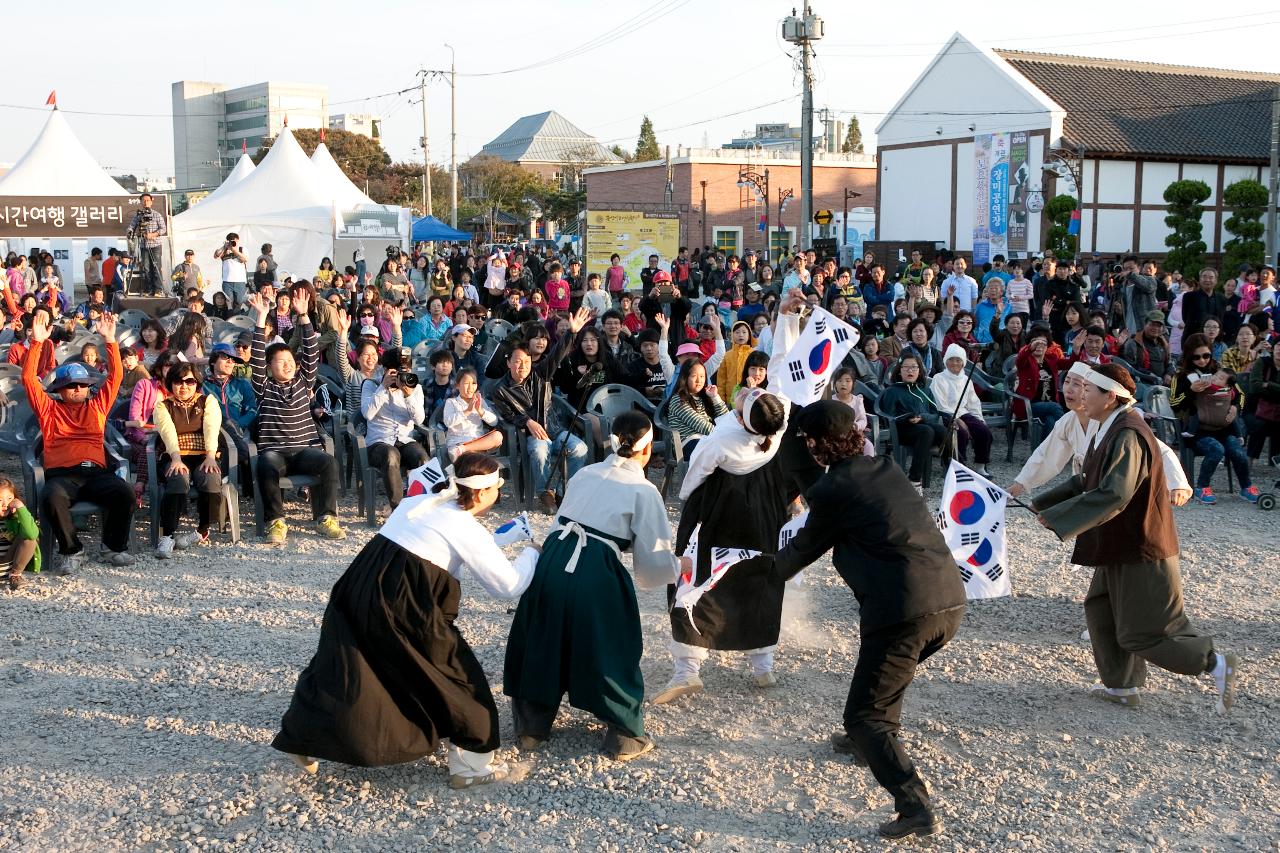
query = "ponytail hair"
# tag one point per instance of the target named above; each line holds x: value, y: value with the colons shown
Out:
x: 628, y: 428
x: 765, y: 418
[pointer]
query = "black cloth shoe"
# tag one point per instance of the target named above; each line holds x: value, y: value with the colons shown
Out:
x: 921, y: 823
x: 842, y: 744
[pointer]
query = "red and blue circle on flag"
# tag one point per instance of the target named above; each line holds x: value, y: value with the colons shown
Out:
x: 820, y: 358
x: 982, y: 554
x: 967, y: 507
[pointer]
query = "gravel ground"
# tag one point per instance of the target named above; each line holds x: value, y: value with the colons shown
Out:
x: 141, y: 703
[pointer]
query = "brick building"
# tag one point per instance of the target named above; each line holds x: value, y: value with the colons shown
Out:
x: 713, y: 209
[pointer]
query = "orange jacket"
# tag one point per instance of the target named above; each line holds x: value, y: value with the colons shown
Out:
x: 20, y: 352
x: 73, y: 433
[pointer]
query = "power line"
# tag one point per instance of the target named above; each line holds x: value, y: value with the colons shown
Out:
x: 1123, y: 109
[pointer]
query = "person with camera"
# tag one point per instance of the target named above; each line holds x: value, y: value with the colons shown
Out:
x: 391, y: 409
x: 1139, y: 289
x: 147, y: 228
x: 235, y: 270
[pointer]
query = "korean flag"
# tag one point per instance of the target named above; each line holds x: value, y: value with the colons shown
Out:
x: 513, y: 531
x: 810, y: 363
x: 423, y: 479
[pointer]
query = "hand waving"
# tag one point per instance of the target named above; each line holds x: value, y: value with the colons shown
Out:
x: 261, y: 308
x: 40, y: 329
x: 344, y: 321
x: 579, y: 320
x: 107, y: 326
x: 301, y: 302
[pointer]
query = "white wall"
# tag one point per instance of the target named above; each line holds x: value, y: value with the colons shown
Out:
x: 1115, y: 181
x: 964, y: 197
x: 1115, y: 231
x: 915, y: 197
x: 1156, y: 178
x: 964, y: 79
x: 1154, y: 231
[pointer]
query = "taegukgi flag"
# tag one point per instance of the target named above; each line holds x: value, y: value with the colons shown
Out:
x: 688, y: 591
x: 971, y: 518
x: 513, y: 531
x: 812, y: 361
x: 423, y: 478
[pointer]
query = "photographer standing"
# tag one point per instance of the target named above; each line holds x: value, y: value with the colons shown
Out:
x: 391, y: 410
x: 148, y: 227
x: 235, y: 271
x: 1139, y: 293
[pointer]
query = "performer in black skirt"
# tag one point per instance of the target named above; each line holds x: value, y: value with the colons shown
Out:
x: 888, y: 550
x: 392, y: 675
x: 735, y: 498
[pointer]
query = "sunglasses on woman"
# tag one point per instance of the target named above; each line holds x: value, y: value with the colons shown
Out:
x: 190, y: 380
x: 1201, y: 356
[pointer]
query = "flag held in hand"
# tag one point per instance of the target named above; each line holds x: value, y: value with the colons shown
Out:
x: 971, y: 518
x: 813, y: 359
x: 513, y: 531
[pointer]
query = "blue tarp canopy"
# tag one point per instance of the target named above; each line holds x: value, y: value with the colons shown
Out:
x: 428, y: 229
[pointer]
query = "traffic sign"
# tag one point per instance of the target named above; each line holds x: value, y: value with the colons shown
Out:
x: 823, y: 217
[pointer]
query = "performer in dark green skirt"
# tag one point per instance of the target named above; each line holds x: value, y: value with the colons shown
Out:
x: 577, y: 628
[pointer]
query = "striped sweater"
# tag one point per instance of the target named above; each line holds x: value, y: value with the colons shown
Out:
x: 284, y: 409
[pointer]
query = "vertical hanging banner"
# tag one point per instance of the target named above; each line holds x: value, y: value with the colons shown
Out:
x: 981, y: 199
x: 998, y: 196
x: 971, y: 518
x: 1019, y: 188
x: 814, y: 357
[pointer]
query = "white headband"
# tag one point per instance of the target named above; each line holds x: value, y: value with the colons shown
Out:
x: 1106, y: 383
x: 747, y: 402
x: 1080, y: 369
x: 640, y: 443
x: 479, y: 481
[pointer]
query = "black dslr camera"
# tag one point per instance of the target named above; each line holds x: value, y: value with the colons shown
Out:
x: 401, y: 361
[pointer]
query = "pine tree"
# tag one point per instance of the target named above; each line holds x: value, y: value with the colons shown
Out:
x: 852, y: 138
x: 647, y: 143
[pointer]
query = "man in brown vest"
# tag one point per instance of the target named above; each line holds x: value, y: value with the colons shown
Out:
x: 1118, y: 510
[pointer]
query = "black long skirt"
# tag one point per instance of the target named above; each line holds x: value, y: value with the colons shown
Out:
x: 392, y: 676
x: 744, y: 610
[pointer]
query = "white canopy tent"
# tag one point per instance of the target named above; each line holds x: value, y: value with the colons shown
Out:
x: 280, y: 202
x: 345, y: 193
x: 243, y: 169
x: 57, y: 164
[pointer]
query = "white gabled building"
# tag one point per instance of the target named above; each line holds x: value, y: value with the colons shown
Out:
x: 1131, y: 128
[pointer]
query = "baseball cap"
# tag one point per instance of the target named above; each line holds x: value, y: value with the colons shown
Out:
x: 225, y: 350
x: 1155, y: 317
x: 71, y: 373
x: 245, y: 339
x: 662, y: 277
x: 461, y: 328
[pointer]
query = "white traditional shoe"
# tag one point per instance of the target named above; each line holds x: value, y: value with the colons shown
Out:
x: 1224, y: 678
x: 1126, y: 696
x: 458, y: 782
x: 675, y: 689
x: 1084, y: 635
x: 306, y: 763
x: 766, y: 680
x: 164, y: 548
x: 186, y: 540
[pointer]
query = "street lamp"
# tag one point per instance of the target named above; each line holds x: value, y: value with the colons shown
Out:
x: 783, y: 197
x: 844, y: 222
x: 760, y: 183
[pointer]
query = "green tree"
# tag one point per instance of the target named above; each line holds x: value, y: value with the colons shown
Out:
x: 1057, y: 238
x: 1186, y: 211
x: 852, y: 138
x: 489, y: 181
x: 622, y: 153
x: 401, y: 184
x: 647, y: 143
x: 358, y: 156
x: 1248, y: 201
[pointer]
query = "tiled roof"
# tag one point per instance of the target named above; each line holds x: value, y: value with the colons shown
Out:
x: 1116, y: 107
x: 548, y: 138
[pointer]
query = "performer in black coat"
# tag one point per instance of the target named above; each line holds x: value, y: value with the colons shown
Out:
x: 886, y: 547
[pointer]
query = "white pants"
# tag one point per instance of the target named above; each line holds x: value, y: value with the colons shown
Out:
x: 688, y: 659
x: 470, y: 764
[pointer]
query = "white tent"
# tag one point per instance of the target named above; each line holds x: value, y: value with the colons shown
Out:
x: 244, y: 168
x: 57, y: 164
x: 280, y: 202
x: 345, y: 194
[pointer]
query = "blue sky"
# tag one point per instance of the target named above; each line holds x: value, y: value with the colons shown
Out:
x: 700, y: 69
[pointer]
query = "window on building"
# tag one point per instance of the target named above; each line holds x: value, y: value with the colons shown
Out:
x: 727, y: 239
x: 249, y: 104
x: 781, y: 240
x: 255, y: 123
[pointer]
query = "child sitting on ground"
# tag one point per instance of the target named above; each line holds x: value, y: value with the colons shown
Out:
x: 19, y: 536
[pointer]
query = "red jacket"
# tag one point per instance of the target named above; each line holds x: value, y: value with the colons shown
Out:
x: 1029, y: 375
x: 73, y: 433
x: 18, y: 355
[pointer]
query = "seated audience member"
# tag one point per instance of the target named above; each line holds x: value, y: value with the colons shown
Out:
x: 289, y: 440
x: 73, y: 426
x: 391, y: 410
x: 910, y: 404
x: 468, y: 419
x: 953, y: 390
x: 19, y: 536
x: 21, y: 348
x: 523, y: 398
x: 694, y: 405
x: 188, y: 422
x: 237, y: 401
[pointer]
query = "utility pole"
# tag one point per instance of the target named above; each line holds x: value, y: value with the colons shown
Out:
x: 453, y: 137
x: 426, y: 157
x: 804, y: 31
x: 1273, y: 184
x: 844, y: 222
